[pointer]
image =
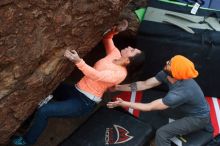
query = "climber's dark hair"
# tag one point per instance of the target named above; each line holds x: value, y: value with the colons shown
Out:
x: 135, y: 66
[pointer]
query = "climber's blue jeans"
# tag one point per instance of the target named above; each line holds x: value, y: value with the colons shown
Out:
x: 75, y: 104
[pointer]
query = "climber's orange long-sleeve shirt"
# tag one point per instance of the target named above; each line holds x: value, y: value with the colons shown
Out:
x: 105, y: 73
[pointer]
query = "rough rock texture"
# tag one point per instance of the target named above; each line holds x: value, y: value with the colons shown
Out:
x: 128, y: 13
x: 33, y: 37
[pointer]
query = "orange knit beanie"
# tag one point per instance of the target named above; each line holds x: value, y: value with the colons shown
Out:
x: 182, y: 68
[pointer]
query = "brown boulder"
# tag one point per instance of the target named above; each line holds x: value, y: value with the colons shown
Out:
x: 33, y: 37
x: 128, y: 13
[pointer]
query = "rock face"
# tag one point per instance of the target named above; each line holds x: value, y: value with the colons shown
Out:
x: 128, y: 13
x: 33, y: 37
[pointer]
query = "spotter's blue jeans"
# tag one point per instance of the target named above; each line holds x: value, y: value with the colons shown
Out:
x: 74, y: 104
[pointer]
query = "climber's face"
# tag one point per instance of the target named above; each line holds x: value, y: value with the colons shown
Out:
x: 129, y: 52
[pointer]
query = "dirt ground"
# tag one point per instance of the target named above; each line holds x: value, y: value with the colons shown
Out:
x: 57, y: 131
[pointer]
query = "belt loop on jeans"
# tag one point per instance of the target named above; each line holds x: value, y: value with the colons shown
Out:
x: 95, y: 99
